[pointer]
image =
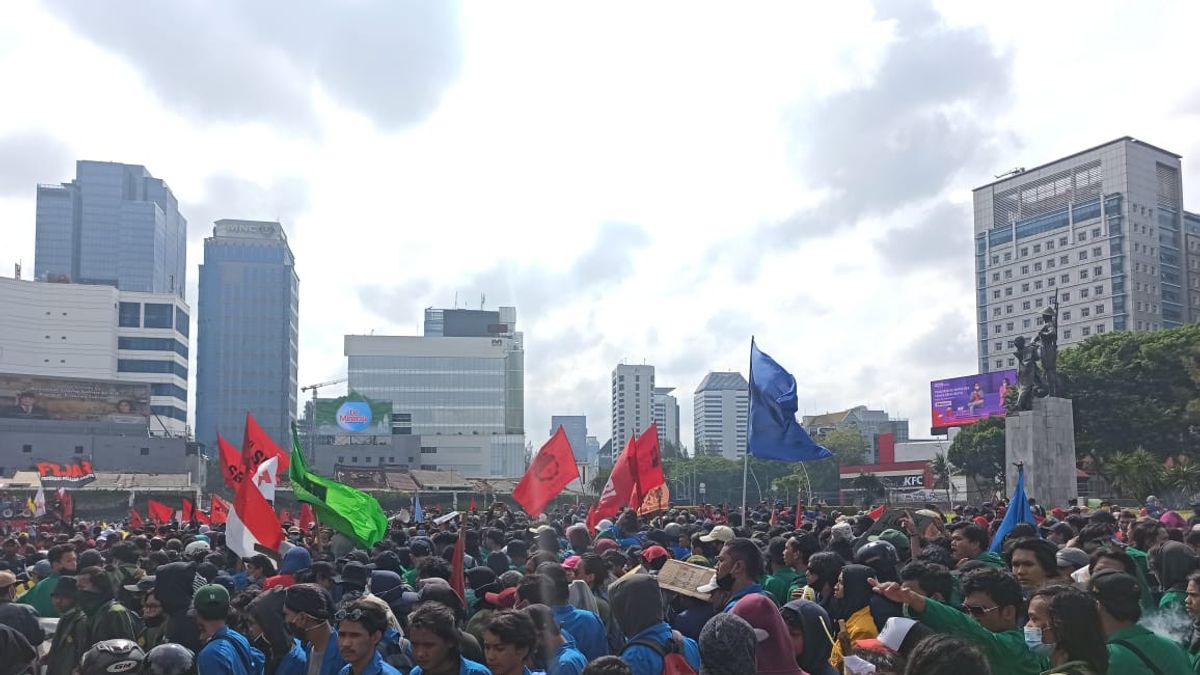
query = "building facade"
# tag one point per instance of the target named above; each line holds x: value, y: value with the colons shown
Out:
x: 114, y: 224
x: 872, y: 424
x: 501, y: 322
x: 97, y: 332
x: 666, y: 416
x: 248, y: 332
x: 575, y: 427
x: 1191, y: 238
x: 1098, y: 233
x: 722, y: 410
x: 464, y: 396
x: 632, y: 403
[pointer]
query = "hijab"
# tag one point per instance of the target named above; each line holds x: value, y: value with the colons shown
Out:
x: 1173, y: 562
x: 818, y: 630
x: 773, y: 652
x: 856, y: 592
x: 825, y: 566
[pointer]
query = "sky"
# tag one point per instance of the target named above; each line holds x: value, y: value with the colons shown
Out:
x: 646, y: 182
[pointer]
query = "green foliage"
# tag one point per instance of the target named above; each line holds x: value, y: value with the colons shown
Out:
x: 943, y: 472
x: 1134, y: 475
x: 1135, y: 389
x: 871, y: 486
x: 978, y: 450
x: 1182, y: 477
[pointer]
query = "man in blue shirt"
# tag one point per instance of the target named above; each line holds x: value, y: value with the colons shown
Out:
x: 637, y: 607
x: 549, y: 587
x: 227, y: 652
x: 360, y: 627
x: 436, y: 642
x: 739, y: 566
x: 307, y: 610
x: 508, y: 641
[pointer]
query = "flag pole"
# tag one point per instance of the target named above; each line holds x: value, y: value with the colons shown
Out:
x: 746, y: 456
x: 745, y: 471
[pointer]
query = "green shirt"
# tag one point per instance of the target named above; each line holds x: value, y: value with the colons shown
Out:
x: 1173, y: 600
x: 70, y: 641
x: 991, y: 558
x: 38, y: 597
x: 1006, y: 652
x: 1168, y: 656
x: 779, y: 584
x: 1143, y: 574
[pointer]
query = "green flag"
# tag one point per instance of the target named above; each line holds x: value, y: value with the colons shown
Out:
x: 354, y: 513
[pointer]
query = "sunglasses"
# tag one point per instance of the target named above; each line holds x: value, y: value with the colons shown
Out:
x: 977, y: 611
x: 355, y: 614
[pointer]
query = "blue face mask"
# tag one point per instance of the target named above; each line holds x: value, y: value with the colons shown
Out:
x: 1033, y: 640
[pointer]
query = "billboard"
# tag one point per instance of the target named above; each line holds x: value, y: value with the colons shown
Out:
x: 960, y: 401
x: 61, y: 398
x: 354, y: 414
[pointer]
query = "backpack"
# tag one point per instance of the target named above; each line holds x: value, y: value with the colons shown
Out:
x: 254, y: 661
x: 674, y: 662
x: 396, y: 651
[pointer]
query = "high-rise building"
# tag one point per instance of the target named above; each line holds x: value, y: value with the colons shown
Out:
x: 632, y: 403
x: 501, y: 322
x: 666, y: 416
x: 248, y: 332
x: 593, y: 450
x: 115, y: 224
x: 1191, y: 236
x: 97, y: 332
x: 575, y: 427
x: 1100, y: 233
x: 464, y: 396
x: 722, y: 410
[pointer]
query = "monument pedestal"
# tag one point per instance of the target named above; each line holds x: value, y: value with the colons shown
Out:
x: 1044, y: 439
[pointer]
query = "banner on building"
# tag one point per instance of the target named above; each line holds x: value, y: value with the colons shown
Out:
x: 69, y: 399
x: 73, y: 474
x: 353, y: 414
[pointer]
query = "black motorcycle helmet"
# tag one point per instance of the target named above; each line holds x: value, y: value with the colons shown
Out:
x: 880, y: 556
x: 111, y: 657
x: 169, y: 659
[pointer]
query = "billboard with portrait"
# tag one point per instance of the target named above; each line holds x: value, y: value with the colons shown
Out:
x: 31, y: 397
x: 353, y: 414
x: 961, y: 401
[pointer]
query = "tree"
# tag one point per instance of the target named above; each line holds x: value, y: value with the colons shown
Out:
x: 943, y: 474
x: 1135, y: 389
x: 848, y: 447
x: 979, y: 451
x: 1134, y: 475
x: 871, y: 486
x: 670, y: 450
x: 1182, y: 477
x: 597, y: 484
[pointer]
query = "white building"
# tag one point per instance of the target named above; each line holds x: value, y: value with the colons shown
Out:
x: 632, y: 403
x: 722, y: 409
x: 666, y: 416
x: 100, y: 333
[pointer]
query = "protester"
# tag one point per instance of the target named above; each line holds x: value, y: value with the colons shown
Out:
x: 509, y: 639
x: 773, y: 652
x: 360, y: 627
x: 284, y: 654
x: 62, y: 561
x: 556, y: 654
x: 107, y: 619
x: 435, y: 643
x: 638, y: 609
x: 726, y: 647
x: 812, y: 634
x: 1132, y: 648
x: 1064, y: 625
x: 307, y: 612
x: 21, y: 617
x: 227, y: 652
x: 549, y: 587
x: 71, y: 635
x: 947, y: 655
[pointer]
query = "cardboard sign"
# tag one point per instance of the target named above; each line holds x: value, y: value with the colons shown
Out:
x: 684, y: 578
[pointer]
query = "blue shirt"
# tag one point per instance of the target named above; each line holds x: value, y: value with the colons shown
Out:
x: 643, y: 660
x: 749, y: 590
x: 567, y: 661
x: 586, y: 628
x: 466, y: 667
x: 295, y: 662
x: 222, y: 657
x: 375, y: 667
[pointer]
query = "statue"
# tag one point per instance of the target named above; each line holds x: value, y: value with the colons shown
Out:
x: 1034, y: 381
x: 1047, y: 342
x: 1029, y: 383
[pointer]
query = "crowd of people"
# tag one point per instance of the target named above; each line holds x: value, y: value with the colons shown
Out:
x: 820, y: 592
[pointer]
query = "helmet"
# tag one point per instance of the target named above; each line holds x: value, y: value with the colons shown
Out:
x: 169, y: 659
x: 111, y: 657
x: 880, y: 555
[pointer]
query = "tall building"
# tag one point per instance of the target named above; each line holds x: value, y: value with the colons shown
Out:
x: 1191, y: 235
x: 722, y: 410
x: 464, y: 396
x: 115, y: 224
x: 593, y: 450
x: 666, y: 416
x: 97, y: 332
x: 575, y: 427
x: 1099, y: 232
x: 632, y: 403
x: 501, y: 322
x: 871, y: 424
x: 248, y: 332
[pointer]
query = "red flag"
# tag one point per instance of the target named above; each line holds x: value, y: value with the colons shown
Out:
x: 457, y: 582
x: 220, y: 510
x: 189, y: 511
x: 257, y: 447
x: 202, y: 517
x: 233, y: 469
x: 774, y: 517
x: 159, y: 512
x: 307, y: 519
x: 471, y: 508
x: 285, y: 516
x: 877, y: 513
x: 135, y: 520
x: 550, y: 471
x: 252, y: 527
x: 649, y: 471
x: 68, y: 505
x: 592, y: 518
x: 620, y: 489
x: 799, y: 514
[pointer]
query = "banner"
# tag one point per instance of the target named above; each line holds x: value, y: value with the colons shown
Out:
x: 658, y: 500
x: 353, y: 414
x: 62, y: 398
x: 76, y: 473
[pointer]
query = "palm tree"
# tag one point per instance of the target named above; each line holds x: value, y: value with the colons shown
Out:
x: 1182, y: 476
x: 871, y: 486
x: 1135, y: 475
x: 943, y: 473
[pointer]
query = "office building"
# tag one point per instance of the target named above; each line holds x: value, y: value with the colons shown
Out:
x: 593, y: 450
x: 464, y: 396
x: 666, y: 416
x: 248, y: 332
x: 575, y: 426
x: 97, y: 332
x: 722, y: 410
x: 632, y: 403
x: 1099, y: 233
x: 471, y: 322
x: 1191, y: 237
x: 872, y: 424
x: 114, y: 224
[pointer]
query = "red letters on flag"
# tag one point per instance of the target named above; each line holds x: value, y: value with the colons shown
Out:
x: 649, y: 470
x: 257, y: 447
x: 159, y: 512
x: 550, y: 471
x: 233, y: 470
x: 220, y: 510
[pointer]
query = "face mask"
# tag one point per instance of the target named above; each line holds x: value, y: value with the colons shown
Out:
x: 725, y: 582
x: 89, y: 601
x: 296, y: 631
x: 153, y: 621
x: 261, y: 644
x: 1033, y: 640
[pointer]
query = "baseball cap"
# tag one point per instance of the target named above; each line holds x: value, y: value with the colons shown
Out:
x: 7, y: 579
x: 1116, y: 590
x: 211, y: 601
x: 604, y: 524
x: 896, y: 538
x: 571, y: 562
x: 1073, y: 558
x: 143, y: 585
x: 505, y: 599
x: 654, y: 553
x: 721, y: 533
x: 543, y: 529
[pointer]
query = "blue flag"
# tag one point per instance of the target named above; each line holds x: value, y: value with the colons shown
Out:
x: 418, y: 514
x: 1018, y: 512
x: 774, y: 432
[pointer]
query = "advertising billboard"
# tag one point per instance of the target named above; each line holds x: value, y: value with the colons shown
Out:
x: 960, y: 401
x: 354, y: 414
x: 61, y: 398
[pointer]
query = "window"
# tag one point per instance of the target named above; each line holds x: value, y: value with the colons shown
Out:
x: 1008, y: 291
x: 1099, y: 309
x: 1024, y: 251
x: 995, y: 311
x: 1083, y: 255
x: 1008, y: 326
x: 1066, y: 278
x: 1037, y: 267
x: 1025, y: 305
x: 1099, y: 328
x: 1097, y: 251
x: 1050, y: 264
x: 129, y: 315
x: 1050, y: 245
x: 1037, y: 285
x: 1086, y: 311
x: 1010, y: 344
x: 1025, y: 287
x: 996, y: 329
x: 428, y: 451
x: 998, y: 346
x: 1037, y: 304
x: 999, y: 363
x: 1095, y: 233
x: 1085, y: 331
x: 145, y: 452
x: 1082, y: 236
x: 1098, y: 270
x: 1064, y: 260
x: 1050, y: 281
x: 1037, y: 248
x: 995, y: 260
x: 1011, y: 363
x: 1067, y: 334
x: 79, y: 449
x: 354, y: 459
x: 1007, y: 274
x: 1025, y: 323
x: 1099, y: 290
x: 145, y: 366
x: 27, y: 448
x: 996, y: 294
x: 995, y: 276
x: 1024, y: 269
x: 1067, y: 315
x: 1008, y: 309
x: 341, y: 459
x: 1008, y: 257
x: 181, y: 321
x: 1066, y: 297
x: 159, y: 315
x: 1083, y: 292
x: 1083, y: 274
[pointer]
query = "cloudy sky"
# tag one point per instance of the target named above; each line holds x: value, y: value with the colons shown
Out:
x: 646, y: 182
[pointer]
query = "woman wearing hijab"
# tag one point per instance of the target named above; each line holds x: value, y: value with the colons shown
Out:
x: 772, y: 653
x: 853, y: 595
x: 812, y: 633
x: 822, y: 576
x: 1172, y: 562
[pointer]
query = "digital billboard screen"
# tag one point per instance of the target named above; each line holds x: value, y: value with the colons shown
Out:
x: 960, y: 401
x: 61, y: 398
x: 354, y: 414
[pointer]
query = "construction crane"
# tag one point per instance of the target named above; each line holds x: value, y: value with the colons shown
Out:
x: 312, y: 413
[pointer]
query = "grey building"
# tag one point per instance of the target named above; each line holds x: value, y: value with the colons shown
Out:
x: 593, y: 450
x: 869, y: 423
x: 470, y: 322
x: 666, y: 416
x: 722, y: 412
x: 575, y: 426
x: 115, y: 224
x: 632, y: 403
x: 248, y: 318
x: 110, y: 447
x: 1191, y: 236
x: 1100, y: 232
x: 389, y: 452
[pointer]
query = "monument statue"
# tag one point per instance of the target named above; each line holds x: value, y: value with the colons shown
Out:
x: 1029, y: 382
x: 1047, y: 342
x: 1034, y: 381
